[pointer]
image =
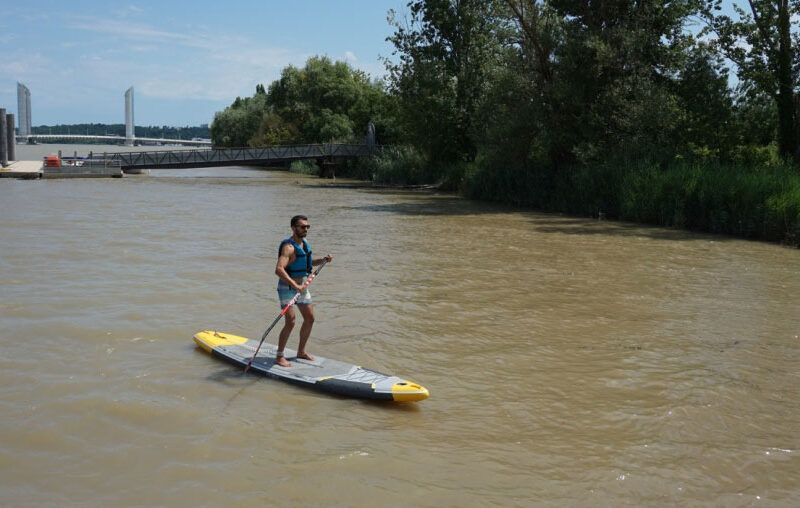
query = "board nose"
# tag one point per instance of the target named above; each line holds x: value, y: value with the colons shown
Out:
x: 407, y: 391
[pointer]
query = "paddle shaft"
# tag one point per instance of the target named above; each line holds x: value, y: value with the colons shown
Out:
x: 283, y: 311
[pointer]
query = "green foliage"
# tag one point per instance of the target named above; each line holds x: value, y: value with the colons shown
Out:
x: 305, y: 167
x: 324, y: 101
x: 445, y: 52
x: 544, y: 95
x: 320, y: 99
x: 273, y: 130
x: 612, y: 74
x: 719, y: 199
x: 760, y: 42
x: 405, y: 165
x: 756, y: 156
x: 566, y: 105
x: 515, y: 130
x: 734, y: 200
x: 703, y: 126
x: 239, y: 123
x: 395, y: 165
x: 755, y: 117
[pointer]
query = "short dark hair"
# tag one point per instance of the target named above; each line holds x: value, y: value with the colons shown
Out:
x: 298, y: 218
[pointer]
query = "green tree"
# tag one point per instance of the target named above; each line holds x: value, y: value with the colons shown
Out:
x: 518, y: 110
x: 236, y: 125
x: 273, y: 131
x: 755, y: 117
x: 613, y: 70
x: 760, y: 42
x: 522, y: 95
x: 705, y: 102
x: 445, y: 49
x: 323, y: 101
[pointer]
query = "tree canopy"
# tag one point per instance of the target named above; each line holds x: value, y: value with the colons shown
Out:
x: 550, y: 82
x: 760, y: 42
x: 323, y: 101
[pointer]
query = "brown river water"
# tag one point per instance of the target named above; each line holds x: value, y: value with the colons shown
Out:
x: 571, y: 362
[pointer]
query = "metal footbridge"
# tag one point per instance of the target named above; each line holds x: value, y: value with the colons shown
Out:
x: 163, y: 159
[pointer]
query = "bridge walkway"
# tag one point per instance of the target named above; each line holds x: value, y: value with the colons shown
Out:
x: 197, y: 158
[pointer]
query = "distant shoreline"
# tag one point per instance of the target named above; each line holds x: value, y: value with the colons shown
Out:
x: 25, y: 152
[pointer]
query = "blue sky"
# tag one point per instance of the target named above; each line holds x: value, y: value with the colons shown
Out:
x: 185, y: 59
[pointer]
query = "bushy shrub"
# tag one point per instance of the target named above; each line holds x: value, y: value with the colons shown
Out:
x: 756, y: 156
x: 396, y: 165
x: 305, y: 167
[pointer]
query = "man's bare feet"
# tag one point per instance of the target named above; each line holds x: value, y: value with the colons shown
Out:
x: 282, y: 361
x: 305, y: 356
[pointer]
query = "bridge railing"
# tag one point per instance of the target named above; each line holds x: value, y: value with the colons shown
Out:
x: 89, y: 162
x: 220, y: 156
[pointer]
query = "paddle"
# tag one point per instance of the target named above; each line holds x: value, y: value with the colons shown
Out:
x: 283, y: 311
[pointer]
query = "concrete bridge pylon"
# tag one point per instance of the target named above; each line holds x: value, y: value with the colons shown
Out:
x: 23, y: 109
x: 130, y: 133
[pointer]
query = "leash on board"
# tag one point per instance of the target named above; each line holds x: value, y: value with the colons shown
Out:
x: 283, y: 311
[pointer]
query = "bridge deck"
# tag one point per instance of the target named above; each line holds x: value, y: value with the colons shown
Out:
x: 163, y: 159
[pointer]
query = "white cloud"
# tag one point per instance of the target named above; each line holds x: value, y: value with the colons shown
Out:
x: 136, y: 31
x: 25, y: 65
x: 198, y: 64
x: 350, y: 57
x: 132, y: 10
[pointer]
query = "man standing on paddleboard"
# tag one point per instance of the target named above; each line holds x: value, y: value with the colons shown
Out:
x: 294, y: 265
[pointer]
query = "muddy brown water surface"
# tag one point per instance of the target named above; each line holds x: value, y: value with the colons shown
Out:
x: 571, y: 362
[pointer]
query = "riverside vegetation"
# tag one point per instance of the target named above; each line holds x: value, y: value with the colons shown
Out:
x: 624, y: 110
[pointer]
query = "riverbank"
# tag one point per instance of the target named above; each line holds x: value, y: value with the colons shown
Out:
x: 711, y: 198
x: 729, y: 200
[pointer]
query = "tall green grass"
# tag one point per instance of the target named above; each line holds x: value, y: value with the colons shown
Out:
x: 717, y: 199
x: 707, y: 196
x: 712, y: 198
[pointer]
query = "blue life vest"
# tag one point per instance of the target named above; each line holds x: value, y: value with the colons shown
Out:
x: 303, y: 262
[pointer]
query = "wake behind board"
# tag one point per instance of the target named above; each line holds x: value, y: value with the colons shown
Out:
x: 322, y: 374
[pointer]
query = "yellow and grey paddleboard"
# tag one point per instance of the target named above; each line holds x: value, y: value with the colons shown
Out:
x: 322, y: 374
